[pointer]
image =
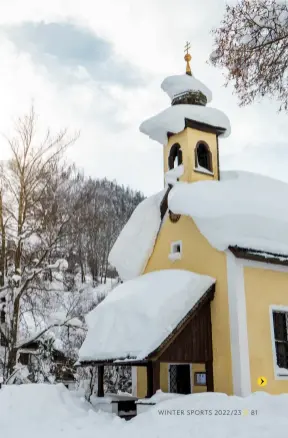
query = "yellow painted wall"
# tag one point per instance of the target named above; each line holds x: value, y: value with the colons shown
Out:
x: 198, y: 256
x: 262, y: 289
x: 164, y: 378
x: 164, y: 372
x: 142, y: 380
x: 188, y: 140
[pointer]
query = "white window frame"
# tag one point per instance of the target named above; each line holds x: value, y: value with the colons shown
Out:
x: 178, y: 254
x: 276, y: 308
x: 191, y: 374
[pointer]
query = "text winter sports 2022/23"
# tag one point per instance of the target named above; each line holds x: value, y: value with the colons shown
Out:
x: 53, y: 411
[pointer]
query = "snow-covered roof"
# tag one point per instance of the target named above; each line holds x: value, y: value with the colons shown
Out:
x: 135, y: 243
x: 178, y: 84
x: 242, y: 209
x: 137, y: 316
x: 173, y: 120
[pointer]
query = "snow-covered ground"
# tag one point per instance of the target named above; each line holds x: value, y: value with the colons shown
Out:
x: 49, y: 411
x: 52, y: 411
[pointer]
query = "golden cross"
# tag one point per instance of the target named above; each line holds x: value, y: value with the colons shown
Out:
x: 188, y: 58
x: 187, y: 47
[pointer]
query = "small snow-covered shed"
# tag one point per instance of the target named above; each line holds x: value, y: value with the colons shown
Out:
x: 162, y: 316
x: 31, y: 354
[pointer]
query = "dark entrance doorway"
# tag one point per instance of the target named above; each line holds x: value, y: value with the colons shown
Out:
x: 180, y: 379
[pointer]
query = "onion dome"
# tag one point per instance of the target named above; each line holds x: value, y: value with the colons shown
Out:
x: 186, y: 89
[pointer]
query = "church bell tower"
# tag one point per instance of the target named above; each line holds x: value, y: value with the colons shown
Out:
x: 189, y: 130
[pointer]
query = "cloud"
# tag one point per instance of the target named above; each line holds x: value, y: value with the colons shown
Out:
x: 97, y: 66
x: 262, y: 159
x: 67, y: 48
x: 108, y: 117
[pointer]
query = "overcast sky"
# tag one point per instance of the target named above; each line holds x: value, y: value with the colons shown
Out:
x: 96, y: 66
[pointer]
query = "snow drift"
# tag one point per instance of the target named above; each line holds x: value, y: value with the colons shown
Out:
x: 46, y: 411
x: 215, y: 416
x: 51, y: 411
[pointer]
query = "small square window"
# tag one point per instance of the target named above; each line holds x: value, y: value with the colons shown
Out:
x: 176, y: 250
x: 200, y: 379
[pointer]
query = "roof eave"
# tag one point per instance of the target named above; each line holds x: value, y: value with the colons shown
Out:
x: 204, y: 127
x: 258, y: 256
x: 122, y: 362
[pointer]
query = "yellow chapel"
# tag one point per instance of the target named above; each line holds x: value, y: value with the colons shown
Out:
x: 203, y: 304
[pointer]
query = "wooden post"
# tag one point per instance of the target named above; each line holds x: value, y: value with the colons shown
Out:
x: 209, y: 376
x: 156, y: 376
x: 153, y: 378
x: 150, y: 385
x: 100, y: 390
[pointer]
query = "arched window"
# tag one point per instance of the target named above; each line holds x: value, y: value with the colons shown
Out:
x: 175, y: 156
x: 203, y: 156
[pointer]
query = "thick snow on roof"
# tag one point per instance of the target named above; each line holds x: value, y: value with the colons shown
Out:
x: 173, y: 120
x: 243, y: 209
x: 135, y: 243
x: 137, y: 316
x: 178, y: 84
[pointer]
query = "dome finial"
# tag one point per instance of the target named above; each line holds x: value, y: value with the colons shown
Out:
x: 187, y: 58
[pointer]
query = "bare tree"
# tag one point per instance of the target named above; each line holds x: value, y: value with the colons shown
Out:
x: 252, y: 44
x: 32, y: 217
x: 56, y: 231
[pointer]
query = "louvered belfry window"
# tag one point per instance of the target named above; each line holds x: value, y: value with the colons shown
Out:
x: 280, y: 321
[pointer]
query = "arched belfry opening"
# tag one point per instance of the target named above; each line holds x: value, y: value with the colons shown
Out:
x: 175, y: 158
x: 203, y: 156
